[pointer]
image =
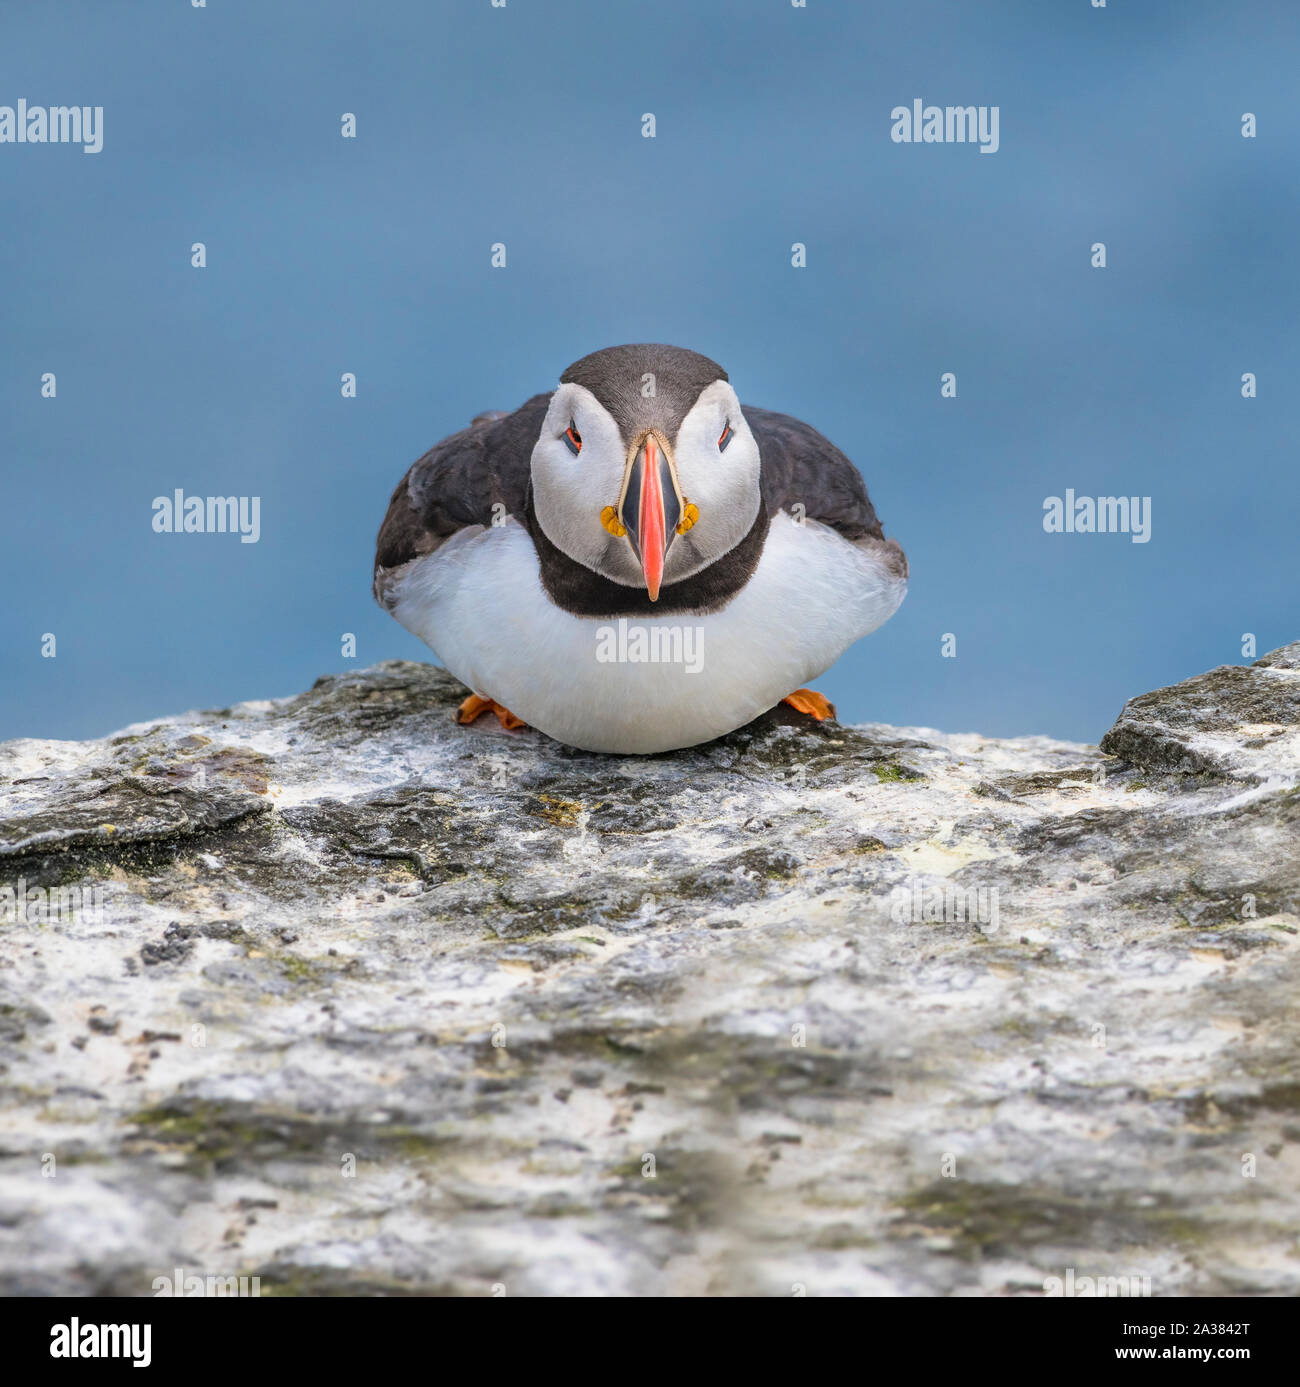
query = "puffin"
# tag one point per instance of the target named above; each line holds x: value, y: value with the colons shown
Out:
x: 634, y: 562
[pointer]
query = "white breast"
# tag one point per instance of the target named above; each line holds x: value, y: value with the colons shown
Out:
x: 648, y: 684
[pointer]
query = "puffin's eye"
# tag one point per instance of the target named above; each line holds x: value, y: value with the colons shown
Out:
x: 728, y: 433
x: 573, y: 438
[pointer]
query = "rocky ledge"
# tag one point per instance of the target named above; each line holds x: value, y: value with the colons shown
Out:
x: 336, y: 993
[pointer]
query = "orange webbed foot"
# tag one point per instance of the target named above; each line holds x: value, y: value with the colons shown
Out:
x: 811, y: 702
x: 474, y: 707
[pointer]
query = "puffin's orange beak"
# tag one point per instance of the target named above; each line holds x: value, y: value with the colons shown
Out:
x: 651, y: 510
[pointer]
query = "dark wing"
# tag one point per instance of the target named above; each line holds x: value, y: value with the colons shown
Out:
x: 801, y: 468
x: 455, y: 485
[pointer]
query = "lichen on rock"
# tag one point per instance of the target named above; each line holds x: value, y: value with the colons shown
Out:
x: 336, y: 992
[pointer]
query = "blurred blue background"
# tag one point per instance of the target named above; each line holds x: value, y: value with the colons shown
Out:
x: 522, y: 124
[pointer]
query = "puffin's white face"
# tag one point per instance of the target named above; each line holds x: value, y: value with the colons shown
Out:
x: 652, y: 511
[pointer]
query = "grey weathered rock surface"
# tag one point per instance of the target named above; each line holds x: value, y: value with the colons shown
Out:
x: 1241, y: 723
x: 352, y: 896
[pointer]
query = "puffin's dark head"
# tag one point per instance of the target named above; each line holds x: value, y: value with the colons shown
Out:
x: 645, y: 470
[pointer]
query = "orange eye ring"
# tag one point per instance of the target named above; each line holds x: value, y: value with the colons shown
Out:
x: 727, y: 434
x: 573, y: 439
